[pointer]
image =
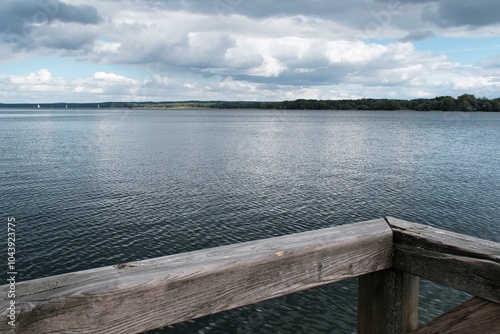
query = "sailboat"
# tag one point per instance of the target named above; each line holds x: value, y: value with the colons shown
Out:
x: 38, y: 106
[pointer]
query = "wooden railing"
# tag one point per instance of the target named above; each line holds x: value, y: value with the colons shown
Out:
x: 388, y: 255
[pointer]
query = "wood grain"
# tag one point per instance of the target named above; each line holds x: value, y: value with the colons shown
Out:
x: 458, y: 261
x: 138, y: 296
x: 387, y: 302
x: 474, y: 316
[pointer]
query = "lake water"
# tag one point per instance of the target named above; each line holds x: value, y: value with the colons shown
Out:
x: 91, y: 188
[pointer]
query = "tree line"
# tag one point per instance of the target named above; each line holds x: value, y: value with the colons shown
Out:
x: 465, y: 102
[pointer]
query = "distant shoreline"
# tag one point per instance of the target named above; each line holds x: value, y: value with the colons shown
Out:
x: 466, y: 102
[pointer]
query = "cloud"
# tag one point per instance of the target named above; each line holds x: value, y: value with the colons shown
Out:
x: 490, y: 62
x: 41, y: 85
x: 41, y: 77
x: 415, y: 36
x: 395, y: 74
x: 62, y: 36
x: 267, y: 8
x: 23, y: 23
x: 16, y: 14
x: 83, y: 14
x: 236, y: 49
x: 468, y: 13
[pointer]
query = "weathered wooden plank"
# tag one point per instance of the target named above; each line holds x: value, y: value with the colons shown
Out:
x: 474, y: 316
x: 458, y: 261
x: 387, y: 302
x: 149, y: 294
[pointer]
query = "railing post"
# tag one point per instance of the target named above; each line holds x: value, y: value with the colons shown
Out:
x: 387, y: 302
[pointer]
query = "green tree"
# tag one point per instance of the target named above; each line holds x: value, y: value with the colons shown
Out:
x: 467, y: 102
x: 448, y: 103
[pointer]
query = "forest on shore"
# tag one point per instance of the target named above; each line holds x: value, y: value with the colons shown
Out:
x: 465, y: 102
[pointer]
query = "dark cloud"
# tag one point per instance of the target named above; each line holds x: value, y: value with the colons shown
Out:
x: 415, y: 36
x: 78, y: 14
x: 469, y: 12
x: 319, y: 77
x: 69, y: 39
x: 19, y: 16
x: 406, y: 15
x: 410, y: 1
x: 349, y: 13
x: 449, y: 13
x: 26, y: 24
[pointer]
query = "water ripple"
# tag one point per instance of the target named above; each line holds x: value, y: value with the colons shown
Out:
x: 91, y: 189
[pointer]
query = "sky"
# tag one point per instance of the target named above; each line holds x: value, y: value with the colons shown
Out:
x: 254, y: 50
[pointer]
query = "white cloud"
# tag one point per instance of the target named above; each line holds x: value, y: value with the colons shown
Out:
x: 106, y: 48
x: 353, y: 52
x: 87, y: 90
x: 41, y: 77
x: 238, y: 87
x: 112, y: 78
x: 271, y: 67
